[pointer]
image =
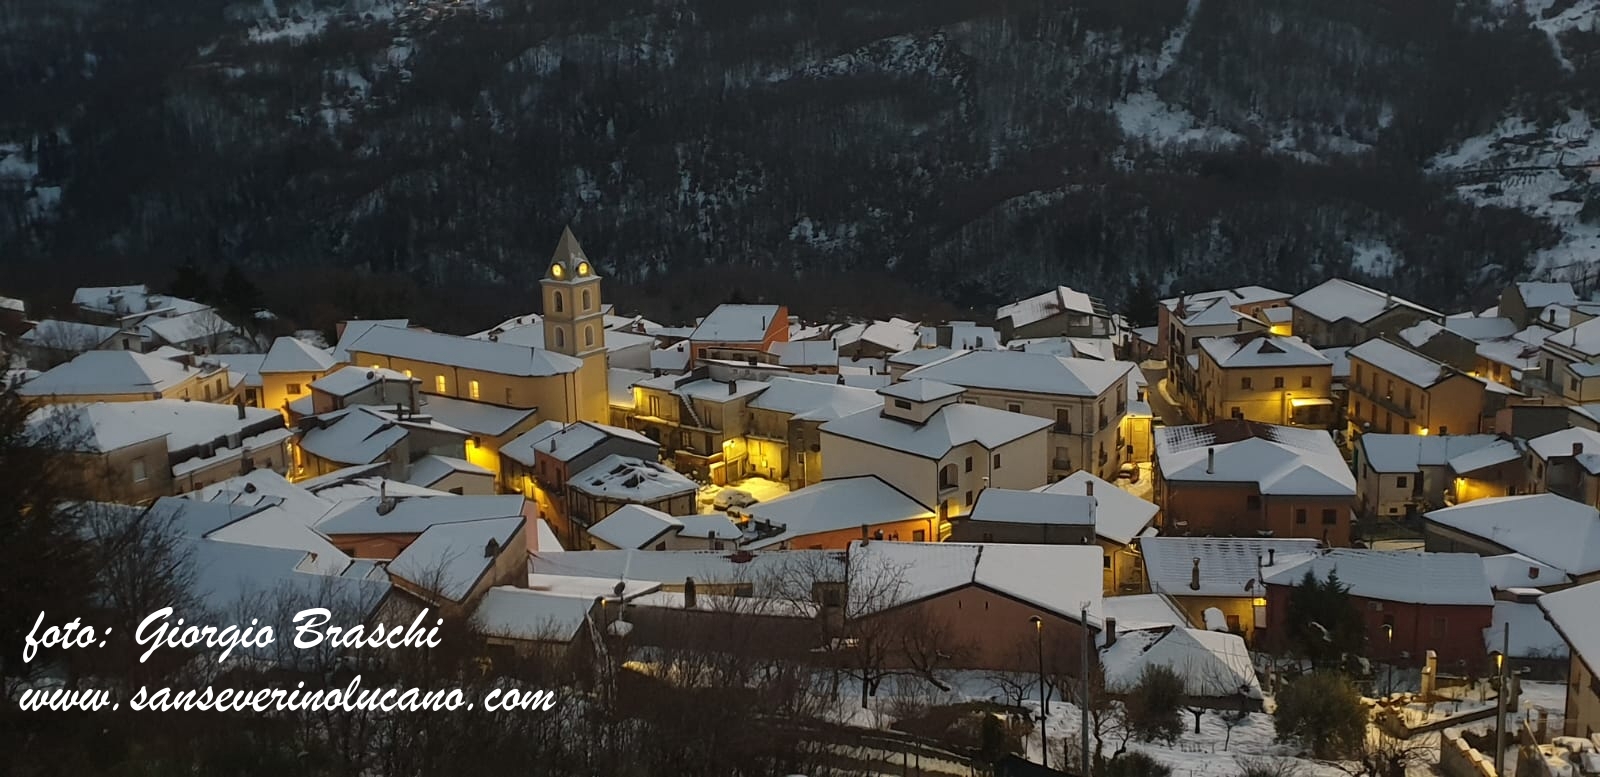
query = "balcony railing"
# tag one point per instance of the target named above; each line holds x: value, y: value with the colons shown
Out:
x: 1385, y: 400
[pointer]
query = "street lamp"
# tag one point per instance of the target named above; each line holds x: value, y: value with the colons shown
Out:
x: 1388, y: 633
x: 1044, y: 704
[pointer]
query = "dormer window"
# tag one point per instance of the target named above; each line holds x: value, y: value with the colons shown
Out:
x: 903, y: 404
x: 583, y: 269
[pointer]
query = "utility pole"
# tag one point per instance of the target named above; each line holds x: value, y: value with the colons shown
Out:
x: 1044, y: 703
x: 1088, y: 639
x: 1500, y: 703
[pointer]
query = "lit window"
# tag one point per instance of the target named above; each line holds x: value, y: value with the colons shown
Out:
x: 408, y: 373
x: 438, y: 383
x: 472, y: 389
x: 583, y: 269
x: 556, y: 271
x: 294, y: 389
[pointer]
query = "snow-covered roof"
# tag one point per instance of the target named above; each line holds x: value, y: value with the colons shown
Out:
x: 1006, y: 505
x: 112, y: 299
x: 637, y: 526
x: 1498, y: 452
x: 463, y: 352
x: 670, y: 358
x: 108, y: 426
x: 1259, y: 349
x: 68, y: 335
x: 626, y: 479
x: 348, y: 380
x: 521, y: 450
x: 289, y: 354
x: 353, y: 330
x: 475, y: 417
x: 920, y: 390
x: 708, y: 526
x: 1340, y: 356
x: 896, y: 334
x: 1572, y: 612
x: 12, y: 303
x: 109, y: 372
x: 1553, y: 529
x: 1059, y: 300
x: 1582, y: 445
x: 1212, y: 664
x: 1056, y: 578
x: 1118, y: 515
x: 1227, y: 564
x: 917, y: 357
x: 1410, y: 452
x: 1583, y: 339
x: 187, y: 327
x: 619, y: 385
x: 414, y: 514
x: 1279, y: 459
x: 1214, y: 312
x: 1520, y: 350
x: 1538, y: 294
x: 1338, y: 298
x: 1240, y: 296
x: 509, y: 612
x: 1514, y: 570
x: 806, y: 353
x: 356, y: 436
x: 1410, y: 576
x: 765, y: 571
x: 736, y: 324
x: 544, y: 537
x: 713, y: 390
x: 814, y: 400
x: 246, y: 365
x: 1532, y: 635
x: 834, y: 505
x: 1407, y: 365
x: 1098, y: 348
x: 1034, y: 373
x: 231, y: 575
x: 448, y: 559
x: 1142, y: 611
x: 433, y: 468
x: 948, y: 427
x: 564, y: 443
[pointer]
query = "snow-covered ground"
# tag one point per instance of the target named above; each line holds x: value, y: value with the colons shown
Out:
x: 762, y: 489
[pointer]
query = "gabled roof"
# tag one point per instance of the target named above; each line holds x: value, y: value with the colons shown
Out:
x: 1259, y: 349
x: 1583, y: 445
x: 834, y: 505
x: 1398, y: 575
x: 359, y: 435
x: 433, y: 468
x: 1410, y: 452
x: 1583, y: 339
x: 920, y: 390
x: 1006, y: 505
x: 449, y: 559
x: 108, y: 426
x: 68, y: 335
x: 1212, y: 664
x: 353, y: 330
x: 1498, y: 452
x: 1227, y: 564
x: 948, y: 427
x: 109, y: 372
x: 348, y: 380
x: 1279, y: 459
x: 1055, y: 302
x: 476, y: 417
x: 289, y: 354
x: 736, y: 324
x: 1407, y: 365
x: 187, y: 327
x: 1239, y: 296
x: 1337, y: 299
x: 1119, y: 516
x: 1552, y: 529
x: 896, y: 334
x: 1056, y: 578
x: 814, y: 400
x: 1538, y: 294
x: 1034, y: 373
x: 636, y: 526
x: 415, y: 514
x: 1215, y: 312
x: 806, y: 353
x: 626, y: 479
x: 1572, y: 611
x: 1514, y: 570
x: 463, y: 352
x: 566, y: 442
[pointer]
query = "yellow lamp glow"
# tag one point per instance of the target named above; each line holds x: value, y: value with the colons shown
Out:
x: 583, y: 268
x: 556, y: 271
x: 1423, y: 430
x: 1260, y: 601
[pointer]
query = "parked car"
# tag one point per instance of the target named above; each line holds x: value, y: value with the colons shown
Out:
x: 732, y: 497
x: 1129, y: 471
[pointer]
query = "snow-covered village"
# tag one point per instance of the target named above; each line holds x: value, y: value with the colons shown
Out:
x: 1315, y: 531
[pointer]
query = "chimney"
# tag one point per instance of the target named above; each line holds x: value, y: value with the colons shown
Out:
x: 1272, y: 556
x: 733, y: 387
x: 1577, y: 447
x: 494, y: 337
x: 1194, y: 575
x: 688, y: 593
x: 1088, y: 488
x: 840, y: 381
x: 240, y: 405
x: 656, y: 372
x: 1211, y: 461
x: 383, y: 489
x: 1111, y: 631
x: 751, y: 360
x: 491, y: 548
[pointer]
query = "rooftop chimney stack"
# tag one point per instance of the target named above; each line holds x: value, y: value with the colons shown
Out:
x: 1272, y: 556
x: 1194, y: 575
x: 1577, y: 449
x: 240, y: 405
x: 733, y: 387
x: 1088, y: 488
x: 688, y: 593
x: 1211, y: 461
x: 1111, y: 631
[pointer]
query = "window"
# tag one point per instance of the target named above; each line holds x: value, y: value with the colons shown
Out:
x: 1244, y: 383
x: 947, y: 477
x: 969, y: 464
x: 659, y: 545
x: 472, y: 389
x: 1572, y: 383
x: 903, y: 404
x: 1252, y: 502
x: 1305, y: 381
x: 1358, y: 372
x: 1375, y: 606
x: 919, y: 535
x: 1062, y: 457
x: 585, y: 305
x: 1237, y: 412
x: 1400, y: 482
x: 1443, y: 430
x: 1105, y: 562
x: 559, y: 302
x: 588, y: 335
x: 1014, y: 407
x: 969, y: 498
x: 208, y: 392
x: 996, y: 461
x: 1277, y: 381
x: 1300, y: 516
x: 561, y: 337
x: 683, y: 439
x: 987, y: 537
x: 1064, y: 420
x: 438, y: 384
x: 139, y: 475
x: 1330, y: 517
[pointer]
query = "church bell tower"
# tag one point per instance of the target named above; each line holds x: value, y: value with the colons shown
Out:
x: 574, y: 324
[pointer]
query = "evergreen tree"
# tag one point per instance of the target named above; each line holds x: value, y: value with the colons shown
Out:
x: 1142, y: 302
x: 191, y: 282
x: 1323, y: 624
x: 238, y: 294
x: 1324, y: 713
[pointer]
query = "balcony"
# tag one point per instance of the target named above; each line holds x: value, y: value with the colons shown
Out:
x: 1060, y: 464
x: 1385, y: 400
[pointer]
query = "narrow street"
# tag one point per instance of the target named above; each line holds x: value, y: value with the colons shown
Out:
x: 1164, y: 409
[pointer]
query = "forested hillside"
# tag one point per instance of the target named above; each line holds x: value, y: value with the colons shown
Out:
x: 962, y: 150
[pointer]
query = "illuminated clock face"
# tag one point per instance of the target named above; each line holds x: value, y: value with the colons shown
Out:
x: 557, y: 270
x: 583, y: 268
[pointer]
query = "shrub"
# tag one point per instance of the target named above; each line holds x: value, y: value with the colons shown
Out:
x: 1323, y: 713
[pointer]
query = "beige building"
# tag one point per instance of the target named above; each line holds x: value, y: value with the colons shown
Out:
x: 1120, y: 520
x: 288, y: 371
x: 1566, y: 463
x: 1183, y: 320
x: 125, y: 376
x: 1083, y: 401
x: 937, y: 449
x: 784, y: 435
x: 1339, y: 312
x: 1401, y: 475
x: 701, y: 420
x: 1262, y: 377
x: 1397, y: 391
x: 1572, y: 612
x: 1569, y: 365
